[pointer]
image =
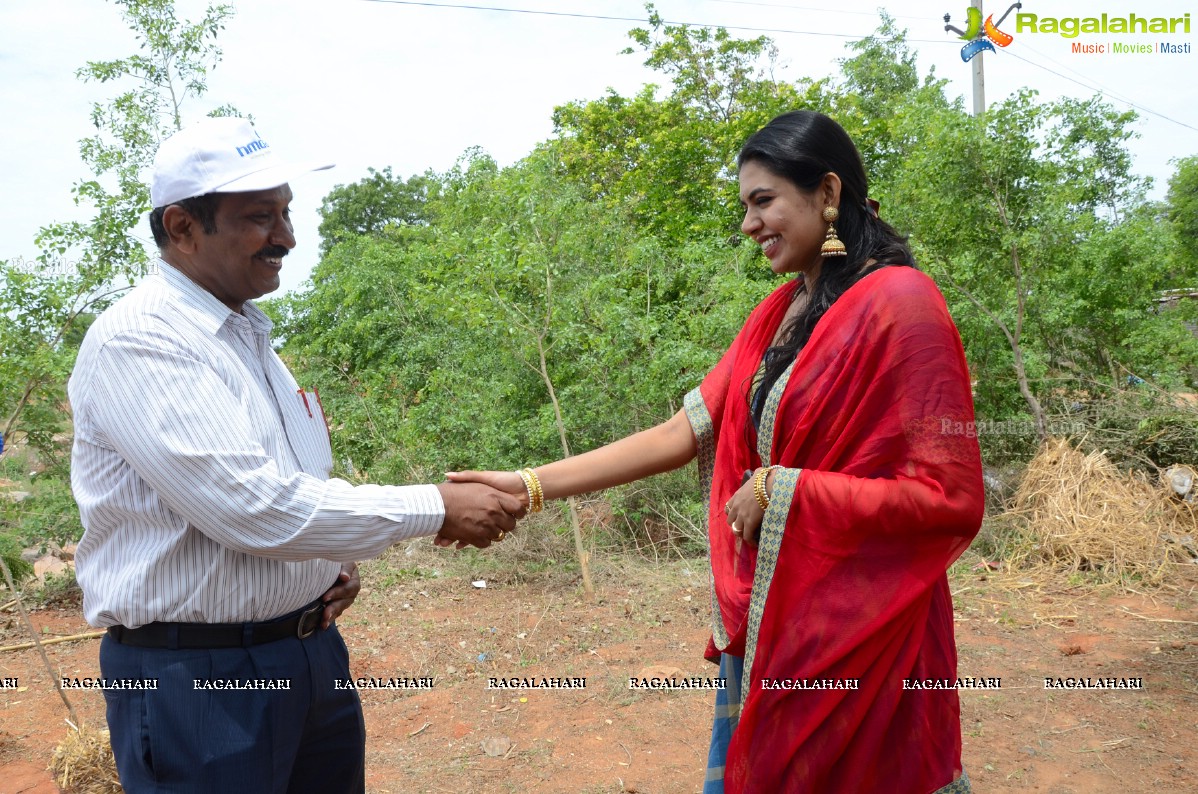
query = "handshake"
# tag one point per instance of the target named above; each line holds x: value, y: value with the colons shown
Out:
x: 481, y: 507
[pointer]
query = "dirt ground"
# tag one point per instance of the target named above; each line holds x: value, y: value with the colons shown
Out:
x: 462, y: 737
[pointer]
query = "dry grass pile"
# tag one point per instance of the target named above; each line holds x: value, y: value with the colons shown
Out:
x: 83, y: 763
x: 1079, y: 512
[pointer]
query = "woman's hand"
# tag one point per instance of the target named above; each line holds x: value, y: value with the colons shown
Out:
x: 508, y: 481
x: 744, y: 513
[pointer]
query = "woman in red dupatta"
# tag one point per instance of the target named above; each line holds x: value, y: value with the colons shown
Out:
x: 842, y: 399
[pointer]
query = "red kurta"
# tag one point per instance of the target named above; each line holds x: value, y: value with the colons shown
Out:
x: 848, y: 581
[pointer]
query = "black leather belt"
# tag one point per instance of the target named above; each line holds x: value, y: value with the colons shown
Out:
x: 302, y: 623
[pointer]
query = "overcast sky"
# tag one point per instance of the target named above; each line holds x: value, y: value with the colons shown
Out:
x: 411, y: 86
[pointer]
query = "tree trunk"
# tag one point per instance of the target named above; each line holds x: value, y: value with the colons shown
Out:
x: 584, y: 557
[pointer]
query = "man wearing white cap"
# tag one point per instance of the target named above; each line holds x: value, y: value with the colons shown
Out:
x: 217, y: 552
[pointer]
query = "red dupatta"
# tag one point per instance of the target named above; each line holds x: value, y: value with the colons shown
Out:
x: 848, y: 580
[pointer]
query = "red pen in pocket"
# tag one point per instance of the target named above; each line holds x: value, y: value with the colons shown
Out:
x: 304, y: 396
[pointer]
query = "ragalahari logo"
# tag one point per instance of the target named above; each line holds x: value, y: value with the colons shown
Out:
x: 980, y: 37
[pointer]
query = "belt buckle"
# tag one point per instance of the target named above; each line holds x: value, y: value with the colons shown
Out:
x: 309, y: 621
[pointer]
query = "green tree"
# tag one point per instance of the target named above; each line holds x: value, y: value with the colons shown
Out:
x: 375, y: 203
x: 1183, y: 205
x: 883, y: 104
x: 1033, y: 221
x: 82, y: 262
x: 670, y: 160
x: 47, y: 305
x: 495, y: 316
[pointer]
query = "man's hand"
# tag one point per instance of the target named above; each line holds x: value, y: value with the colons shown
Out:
x: 476, y: 515
x: 338, y: 597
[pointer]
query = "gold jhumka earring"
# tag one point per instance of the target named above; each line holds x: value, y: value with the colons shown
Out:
x: 832, y: 244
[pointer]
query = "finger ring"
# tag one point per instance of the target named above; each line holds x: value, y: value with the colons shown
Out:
x: 502, y: 535
x: 735, y: 529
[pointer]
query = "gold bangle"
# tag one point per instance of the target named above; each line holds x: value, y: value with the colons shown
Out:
x: 537, y: 491
x: 527, y: 485
x: 759, y: 493
x: 532, y: 484
x: 537, y: 504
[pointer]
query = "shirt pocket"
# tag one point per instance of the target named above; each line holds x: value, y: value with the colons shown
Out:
x: 308, y: 432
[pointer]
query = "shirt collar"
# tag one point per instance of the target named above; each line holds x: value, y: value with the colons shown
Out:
x: 205, y: 307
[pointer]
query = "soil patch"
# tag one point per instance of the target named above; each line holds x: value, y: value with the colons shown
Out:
x: 463, y: 736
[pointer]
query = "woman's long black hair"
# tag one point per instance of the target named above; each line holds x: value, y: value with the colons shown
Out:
x: 803, y: 147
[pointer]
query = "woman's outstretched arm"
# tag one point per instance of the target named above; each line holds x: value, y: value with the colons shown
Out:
x: 665, y: 447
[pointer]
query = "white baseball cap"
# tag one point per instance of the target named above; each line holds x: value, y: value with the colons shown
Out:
x: 223, y: 155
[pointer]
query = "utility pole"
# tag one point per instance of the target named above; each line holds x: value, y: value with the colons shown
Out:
x: 978, y: 38
x: 979, y: 78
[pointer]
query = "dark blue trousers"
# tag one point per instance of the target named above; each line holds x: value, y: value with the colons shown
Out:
x: 181, y: 738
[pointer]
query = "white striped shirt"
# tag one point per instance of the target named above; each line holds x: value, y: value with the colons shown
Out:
x: 201, y: 469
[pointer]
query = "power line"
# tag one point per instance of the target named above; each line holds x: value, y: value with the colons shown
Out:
x: 1100, y: 90
x: 789, y: 31
x: 1098, y: 87
x: 575, y: 15
x: 1022, y: 44
x: 790, y: 7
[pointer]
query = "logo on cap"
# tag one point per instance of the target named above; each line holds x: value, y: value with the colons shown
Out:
x: 255, y: 145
